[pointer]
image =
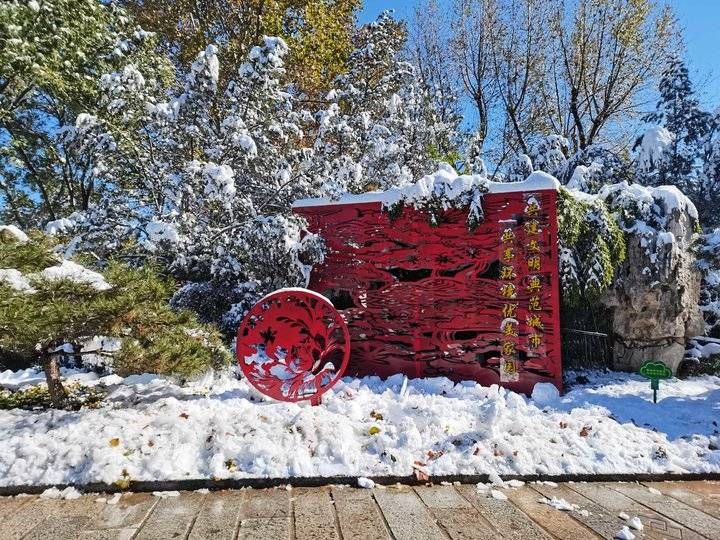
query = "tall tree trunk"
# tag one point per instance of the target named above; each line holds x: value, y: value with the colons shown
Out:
x: 52, y: 376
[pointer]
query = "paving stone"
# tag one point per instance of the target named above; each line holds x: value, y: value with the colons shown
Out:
x: 599, y: 519
x: 656, y: 525
x: 265, y: 503
x: 559, y: 524
x: 106, y: 534
x: 406, y: 515
x: 700, y: 494
x: 505, y: 517
x: 128, y: 513
x: 10, y: 505
x: 171, y: 517
x: 455, y: 515
x: 264, y: 529
x: 26, y: 518
x: 314, y: 514
x: 265, y: 514
x: 672, y: 508
x: 358, y: 514
x: 219, y: 517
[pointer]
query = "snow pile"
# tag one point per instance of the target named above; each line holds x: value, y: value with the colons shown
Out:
x: 152, y: 429
x: 74, y: 272
x: 624, y: 534
x: 166, y: 494
x: 14, y: 380
x: 15, y: 280
x: 545, y: 394
x: 559, y: 504
x: 652, y: 146
x: 365, y: 483
x: 13, y: 233
x: 69, y: 493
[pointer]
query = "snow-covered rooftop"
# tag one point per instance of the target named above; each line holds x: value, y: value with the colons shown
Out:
x: 444, y: 181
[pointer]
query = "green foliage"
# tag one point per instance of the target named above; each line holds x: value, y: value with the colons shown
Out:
x: 37, y: 398
x: 317, y: 31
x: 52, y: 55
x: 30, y: 256
x: 704, y: 366
x: 592, y: 247
x: 135, y: 308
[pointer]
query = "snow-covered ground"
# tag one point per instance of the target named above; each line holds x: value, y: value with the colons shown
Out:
x: 219, y: 427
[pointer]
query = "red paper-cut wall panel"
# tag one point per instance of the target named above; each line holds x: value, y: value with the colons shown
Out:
x: 443, y: 300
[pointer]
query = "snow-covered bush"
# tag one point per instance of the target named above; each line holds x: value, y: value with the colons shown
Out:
x: 48, y: 303
x: 709, y: 262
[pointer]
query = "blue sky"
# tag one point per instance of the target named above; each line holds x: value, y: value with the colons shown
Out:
x: 699, y: 18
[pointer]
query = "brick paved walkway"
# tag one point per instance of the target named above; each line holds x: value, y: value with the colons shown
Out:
x: 670, y: 510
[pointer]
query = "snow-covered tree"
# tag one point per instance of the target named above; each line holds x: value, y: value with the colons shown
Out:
x: 381, y: 127
x: 678, y: 111
x: 680, y: 147
x: 474, y: 162
x: 706, y: 193
x: 594, y: 167
x: 202, y: 181
x: 51, y: 54
x: 549, y: 154
x: 519, y: 168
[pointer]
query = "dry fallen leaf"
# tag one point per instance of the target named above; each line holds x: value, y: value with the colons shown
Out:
x: 184, y: 415
x: 420, y: 474
x: 434, y: 455
x: 114, y: 442
x: 585, y: 431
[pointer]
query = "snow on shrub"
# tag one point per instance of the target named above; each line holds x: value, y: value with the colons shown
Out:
x: 47, y: 302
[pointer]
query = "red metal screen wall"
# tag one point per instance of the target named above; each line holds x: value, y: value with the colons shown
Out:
x: 442, y: 300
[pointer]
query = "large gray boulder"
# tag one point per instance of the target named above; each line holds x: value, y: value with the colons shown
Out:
x: 656, y: 291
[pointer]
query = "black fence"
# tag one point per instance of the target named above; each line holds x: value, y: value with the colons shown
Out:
x: 587, y: 338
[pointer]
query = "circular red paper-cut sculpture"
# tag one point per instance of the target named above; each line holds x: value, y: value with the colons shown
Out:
x: 293, y: 345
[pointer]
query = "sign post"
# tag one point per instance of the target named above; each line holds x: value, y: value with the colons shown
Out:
x: 655, y: 371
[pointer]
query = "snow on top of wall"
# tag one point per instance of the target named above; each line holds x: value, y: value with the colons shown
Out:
x: 445, y: 181
x: 14, y: 232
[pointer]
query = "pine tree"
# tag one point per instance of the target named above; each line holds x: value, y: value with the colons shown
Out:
x: 47, y: 301
x: 678, y: 111
x: 707, y: 195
